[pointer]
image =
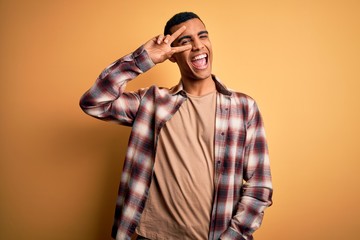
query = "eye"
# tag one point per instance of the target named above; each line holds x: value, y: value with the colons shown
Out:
x: 203, y: 36
x: 185, y: 41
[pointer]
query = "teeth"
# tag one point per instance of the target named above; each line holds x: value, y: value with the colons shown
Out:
x: 199, y: 57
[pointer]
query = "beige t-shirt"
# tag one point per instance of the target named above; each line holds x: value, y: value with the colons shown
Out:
x: 181, y: 193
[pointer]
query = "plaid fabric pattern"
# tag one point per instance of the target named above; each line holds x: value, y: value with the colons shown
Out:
x: 243, y: 188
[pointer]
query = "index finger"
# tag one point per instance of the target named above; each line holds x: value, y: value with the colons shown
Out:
x: 176, y: 34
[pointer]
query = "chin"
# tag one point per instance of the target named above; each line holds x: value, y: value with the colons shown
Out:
x: 203, y: 74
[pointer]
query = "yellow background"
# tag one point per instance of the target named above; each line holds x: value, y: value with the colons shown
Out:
x: 60, y: 169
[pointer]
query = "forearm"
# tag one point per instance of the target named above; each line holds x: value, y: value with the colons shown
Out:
x: 249, y: 215
x: 107, y: 96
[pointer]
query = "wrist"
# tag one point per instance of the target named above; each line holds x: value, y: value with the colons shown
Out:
x: 142, y: 59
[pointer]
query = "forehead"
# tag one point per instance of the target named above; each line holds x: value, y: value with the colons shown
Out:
x: 193, y: 26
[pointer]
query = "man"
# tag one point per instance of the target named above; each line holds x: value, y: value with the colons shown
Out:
x: 197, y: 164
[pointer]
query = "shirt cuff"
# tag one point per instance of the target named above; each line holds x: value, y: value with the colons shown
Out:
x: 231, y: 234
x: 142, y: 59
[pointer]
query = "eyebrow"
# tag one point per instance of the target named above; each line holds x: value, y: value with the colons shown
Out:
x: 187, y: 36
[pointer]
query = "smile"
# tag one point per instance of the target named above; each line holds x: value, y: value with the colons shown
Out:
x: 200, y: 61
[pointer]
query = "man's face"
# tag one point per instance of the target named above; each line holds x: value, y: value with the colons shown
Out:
x: 194, y: 64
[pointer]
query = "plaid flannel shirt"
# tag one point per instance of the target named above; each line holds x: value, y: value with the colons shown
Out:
x: 243, y: 187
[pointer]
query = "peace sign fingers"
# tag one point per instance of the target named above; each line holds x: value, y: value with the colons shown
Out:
x: 160, y: 49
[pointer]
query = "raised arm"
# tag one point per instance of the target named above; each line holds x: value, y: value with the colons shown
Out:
x: 107, y: 99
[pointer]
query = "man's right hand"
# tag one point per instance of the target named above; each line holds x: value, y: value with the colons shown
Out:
x: 159, y: 48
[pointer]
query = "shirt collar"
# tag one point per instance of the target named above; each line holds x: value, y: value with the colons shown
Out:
x: 221, y: 88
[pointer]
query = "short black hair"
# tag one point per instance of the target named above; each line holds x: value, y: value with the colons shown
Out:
x: 179, y: 18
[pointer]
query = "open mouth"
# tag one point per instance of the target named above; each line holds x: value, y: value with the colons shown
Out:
x: 200, y: 61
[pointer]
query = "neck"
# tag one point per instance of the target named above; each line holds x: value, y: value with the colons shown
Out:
x: 199, y: 87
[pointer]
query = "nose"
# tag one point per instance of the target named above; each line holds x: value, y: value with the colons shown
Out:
x: 197, y: 44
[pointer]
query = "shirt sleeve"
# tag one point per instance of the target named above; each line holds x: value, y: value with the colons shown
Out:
x: 107, y: 99
x: 257, y: 187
